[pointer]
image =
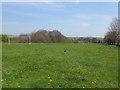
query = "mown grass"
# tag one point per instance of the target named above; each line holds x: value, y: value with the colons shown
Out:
x: 0, y: 66
x: 48, y: 66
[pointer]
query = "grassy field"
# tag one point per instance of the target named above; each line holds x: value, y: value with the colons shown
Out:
x: 48, y: 66
x: 0, y: 66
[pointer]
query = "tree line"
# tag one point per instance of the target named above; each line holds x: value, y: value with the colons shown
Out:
x: 40, y: 36
x: 55, y: 36
x: 44, y: 36
x: 86, y: 39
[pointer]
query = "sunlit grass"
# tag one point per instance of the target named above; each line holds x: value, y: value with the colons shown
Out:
x: 0, y: 66
x: 48, y: 66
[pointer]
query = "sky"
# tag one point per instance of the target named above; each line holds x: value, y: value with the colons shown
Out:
x: 60, y: 0
x: 72, y: 19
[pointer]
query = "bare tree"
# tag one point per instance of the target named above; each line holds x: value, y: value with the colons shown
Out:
x: 23, y: 38
x: 113, y: 35
x: 47, y: 36
x: 42, y: 36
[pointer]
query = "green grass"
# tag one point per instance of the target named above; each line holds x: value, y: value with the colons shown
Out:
x: 48, y: 66
x: 0, y: 66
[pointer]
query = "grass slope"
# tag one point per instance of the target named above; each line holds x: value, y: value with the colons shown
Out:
x: 48, y: 66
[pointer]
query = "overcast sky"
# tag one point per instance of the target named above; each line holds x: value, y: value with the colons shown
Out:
x: 72, y: 19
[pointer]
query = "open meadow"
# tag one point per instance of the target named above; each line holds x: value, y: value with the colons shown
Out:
x: 0, y: 65
x: 48, y: 66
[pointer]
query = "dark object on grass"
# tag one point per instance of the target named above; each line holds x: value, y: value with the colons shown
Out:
x: 83, y: 79
x: 64, y: 50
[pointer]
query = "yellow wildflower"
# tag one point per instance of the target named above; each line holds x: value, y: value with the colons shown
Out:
x: 48, y: 77
x: 50, y: 80
x: 48, y: 83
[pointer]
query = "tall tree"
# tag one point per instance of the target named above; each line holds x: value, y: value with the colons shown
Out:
x: 113, y: 35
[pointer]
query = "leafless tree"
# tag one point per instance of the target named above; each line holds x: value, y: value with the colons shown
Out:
x: 23, y: 38
x: 113, y: 35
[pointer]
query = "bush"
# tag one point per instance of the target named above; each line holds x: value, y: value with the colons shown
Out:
x: 4, y: 38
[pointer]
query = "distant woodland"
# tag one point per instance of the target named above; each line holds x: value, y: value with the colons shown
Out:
x: 55, y: 36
